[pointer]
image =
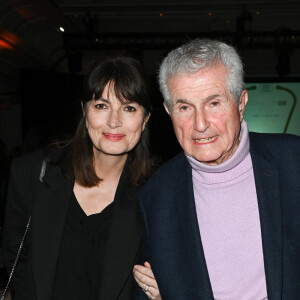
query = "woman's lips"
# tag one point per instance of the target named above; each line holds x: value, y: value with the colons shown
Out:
x: 113, y: 137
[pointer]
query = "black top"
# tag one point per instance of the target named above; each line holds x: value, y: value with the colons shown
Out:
x: 81, y: 255
x: 49, y: 203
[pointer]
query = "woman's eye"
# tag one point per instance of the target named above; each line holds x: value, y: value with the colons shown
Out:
x: 130, y: 108
x: 100, y: 106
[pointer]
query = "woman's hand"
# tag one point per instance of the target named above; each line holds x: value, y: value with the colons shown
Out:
x: 146, y: 280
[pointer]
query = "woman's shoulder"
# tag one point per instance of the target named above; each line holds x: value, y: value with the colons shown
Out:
x: 31, y: 166
x: 29, y: 160
x: 25, y: 168
x: 34, y: 160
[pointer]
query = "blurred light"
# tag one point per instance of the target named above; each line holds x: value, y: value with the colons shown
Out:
x: 161, y: 14
x: 5, y: 45
x: 209, y: 13
x: 61, y: 29
x: 258, y: 12
x: 8, y: 40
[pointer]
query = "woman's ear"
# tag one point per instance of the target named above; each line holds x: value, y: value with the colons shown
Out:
x: 82, y: 108
x: 146, y: 119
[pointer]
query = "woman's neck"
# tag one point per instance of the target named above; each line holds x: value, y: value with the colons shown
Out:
x: 109, y: 166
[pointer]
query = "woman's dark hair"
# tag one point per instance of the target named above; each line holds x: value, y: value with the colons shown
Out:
x: 129, y: 83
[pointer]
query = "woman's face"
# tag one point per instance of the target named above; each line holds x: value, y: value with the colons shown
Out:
x: 114, y: 127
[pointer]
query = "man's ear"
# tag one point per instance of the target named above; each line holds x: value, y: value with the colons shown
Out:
x: 166, y: 108
x: 146, y: 119
x: 242, y: 104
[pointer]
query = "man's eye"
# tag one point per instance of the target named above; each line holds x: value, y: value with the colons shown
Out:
x: 130, y: 108
x: 214, y: 103
x: 100, y: 106
x: 183, y: 108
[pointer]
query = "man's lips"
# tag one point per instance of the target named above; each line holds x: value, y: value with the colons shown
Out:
x: 205, y: 140
x: 113, y: 137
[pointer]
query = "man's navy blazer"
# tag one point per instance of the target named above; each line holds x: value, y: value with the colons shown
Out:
x: 171, y: 238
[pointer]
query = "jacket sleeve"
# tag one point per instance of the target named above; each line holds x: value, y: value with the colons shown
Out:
x: 139, y: 294
x: 16, y: 218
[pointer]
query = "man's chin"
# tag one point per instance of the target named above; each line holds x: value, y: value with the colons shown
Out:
x: 206, y: 159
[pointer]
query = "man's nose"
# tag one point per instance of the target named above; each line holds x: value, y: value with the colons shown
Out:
x: 114, y: 119
x: 201, y: 121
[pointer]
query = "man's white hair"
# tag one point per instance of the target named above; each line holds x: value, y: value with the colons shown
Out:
x: 198, y: 54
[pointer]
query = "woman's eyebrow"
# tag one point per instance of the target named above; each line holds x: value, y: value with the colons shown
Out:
x: 125, y: 101
x: 103, y: 100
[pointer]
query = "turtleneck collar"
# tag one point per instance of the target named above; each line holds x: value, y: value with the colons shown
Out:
x: 230, y: 166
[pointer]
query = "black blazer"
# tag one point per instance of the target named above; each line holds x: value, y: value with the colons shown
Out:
x: 171, y: 238
x: 47, y: 200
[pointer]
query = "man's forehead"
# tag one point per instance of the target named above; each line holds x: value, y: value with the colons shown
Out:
x: 205, y: 90
x: 207, y: 83
x: 214, y: 71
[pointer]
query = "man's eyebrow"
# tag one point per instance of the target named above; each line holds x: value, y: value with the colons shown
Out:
x: 181, y: 101
x: 208, y: 98
x: 211, y: 97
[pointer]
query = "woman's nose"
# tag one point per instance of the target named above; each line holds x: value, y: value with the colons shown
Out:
x: 114, y: 120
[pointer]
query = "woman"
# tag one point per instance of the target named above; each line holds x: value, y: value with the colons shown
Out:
x: 84, y: 236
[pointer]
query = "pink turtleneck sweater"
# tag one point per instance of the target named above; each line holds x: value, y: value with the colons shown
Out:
x: 228, y: 218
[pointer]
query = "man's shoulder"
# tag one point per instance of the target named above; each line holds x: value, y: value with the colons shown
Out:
x: 171, y: 167
x: 275, y: 136
x: 168, y: 172
x: 275, y: 142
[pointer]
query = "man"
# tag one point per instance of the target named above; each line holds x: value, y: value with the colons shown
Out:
x: 221, y: 219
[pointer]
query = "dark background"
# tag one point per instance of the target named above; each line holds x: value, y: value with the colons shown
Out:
x: 41, y: 67
x: 47, y: 46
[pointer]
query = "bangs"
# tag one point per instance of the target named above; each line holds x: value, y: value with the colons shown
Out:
x: 127, y: 79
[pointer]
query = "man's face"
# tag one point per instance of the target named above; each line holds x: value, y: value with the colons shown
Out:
x: 205, y: 117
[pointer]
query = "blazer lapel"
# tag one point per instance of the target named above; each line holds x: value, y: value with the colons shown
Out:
x: 51, y: 201
x: 124, y: 240
x: 190, y: 233
x: 269, y: 203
